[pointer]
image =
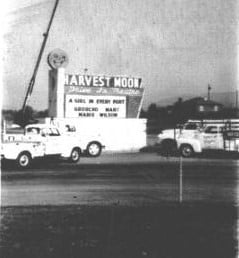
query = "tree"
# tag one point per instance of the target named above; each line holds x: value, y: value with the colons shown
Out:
x: 143, y: 113
x: 24, y: 118
x: 152, y: 111
x: 42, y: 113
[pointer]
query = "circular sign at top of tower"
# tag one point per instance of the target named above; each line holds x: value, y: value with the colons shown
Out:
x: 57, y: 58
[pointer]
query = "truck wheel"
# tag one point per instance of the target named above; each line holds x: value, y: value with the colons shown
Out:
x: 94, y: 149
x: 24, y: 160
x: 186, y: 150
x: 75, y: 155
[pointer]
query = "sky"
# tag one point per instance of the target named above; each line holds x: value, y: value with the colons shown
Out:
x: 177, y: 47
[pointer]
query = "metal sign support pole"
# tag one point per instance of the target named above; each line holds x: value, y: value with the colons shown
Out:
x: 180, y: 179
x: 32, y: 81
x: 140, y: 105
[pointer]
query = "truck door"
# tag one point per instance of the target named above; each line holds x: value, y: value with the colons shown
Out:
x: 212, y: 138
x: 52, y: 141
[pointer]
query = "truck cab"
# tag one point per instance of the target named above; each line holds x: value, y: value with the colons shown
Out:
x: 50, y: 136
x: 186, y: 130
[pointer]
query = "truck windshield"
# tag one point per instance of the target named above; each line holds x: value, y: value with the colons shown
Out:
x: 50, y: 132
x: 33, y: 130
x: 191, y: 126
x: 214, y: 129
x: 54, y: 132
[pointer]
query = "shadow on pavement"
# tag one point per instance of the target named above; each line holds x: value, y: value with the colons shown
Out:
x: 209, y: 154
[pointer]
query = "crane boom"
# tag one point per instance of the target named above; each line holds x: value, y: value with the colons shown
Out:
x: 32, y: 81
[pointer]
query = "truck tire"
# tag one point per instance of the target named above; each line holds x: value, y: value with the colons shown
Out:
x: 75, y: 155
x: 186, y: 150
x: 94, y: 149
x: 24, y: 160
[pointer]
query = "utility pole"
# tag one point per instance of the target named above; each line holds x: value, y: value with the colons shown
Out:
x: 236, y: 99
x: 32, y: 81
x: 209, y: 92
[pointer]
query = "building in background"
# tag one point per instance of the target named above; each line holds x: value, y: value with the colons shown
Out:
x: 200, y: 107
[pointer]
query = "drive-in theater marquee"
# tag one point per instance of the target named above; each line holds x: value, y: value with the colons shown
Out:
x: 88, y: 96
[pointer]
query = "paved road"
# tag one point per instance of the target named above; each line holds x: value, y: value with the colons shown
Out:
x: 126, y: 179
x: 58, y: 210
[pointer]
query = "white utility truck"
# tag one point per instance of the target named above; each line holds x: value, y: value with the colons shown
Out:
x: 39, y: 140
x: 195, y: 137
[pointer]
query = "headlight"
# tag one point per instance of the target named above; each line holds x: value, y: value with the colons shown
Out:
x: 160, y: 136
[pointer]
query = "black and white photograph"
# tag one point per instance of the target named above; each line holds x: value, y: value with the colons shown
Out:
x: 119, y: 129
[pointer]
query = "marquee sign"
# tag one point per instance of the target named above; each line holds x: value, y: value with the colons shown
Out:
x: 90, y: 106
x: 92, y: 96
x: 102, y: 81
x: 102, y: 96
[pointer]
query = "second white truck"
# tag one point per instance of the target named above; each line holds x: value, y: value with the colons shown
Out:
x: 194, y: 138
